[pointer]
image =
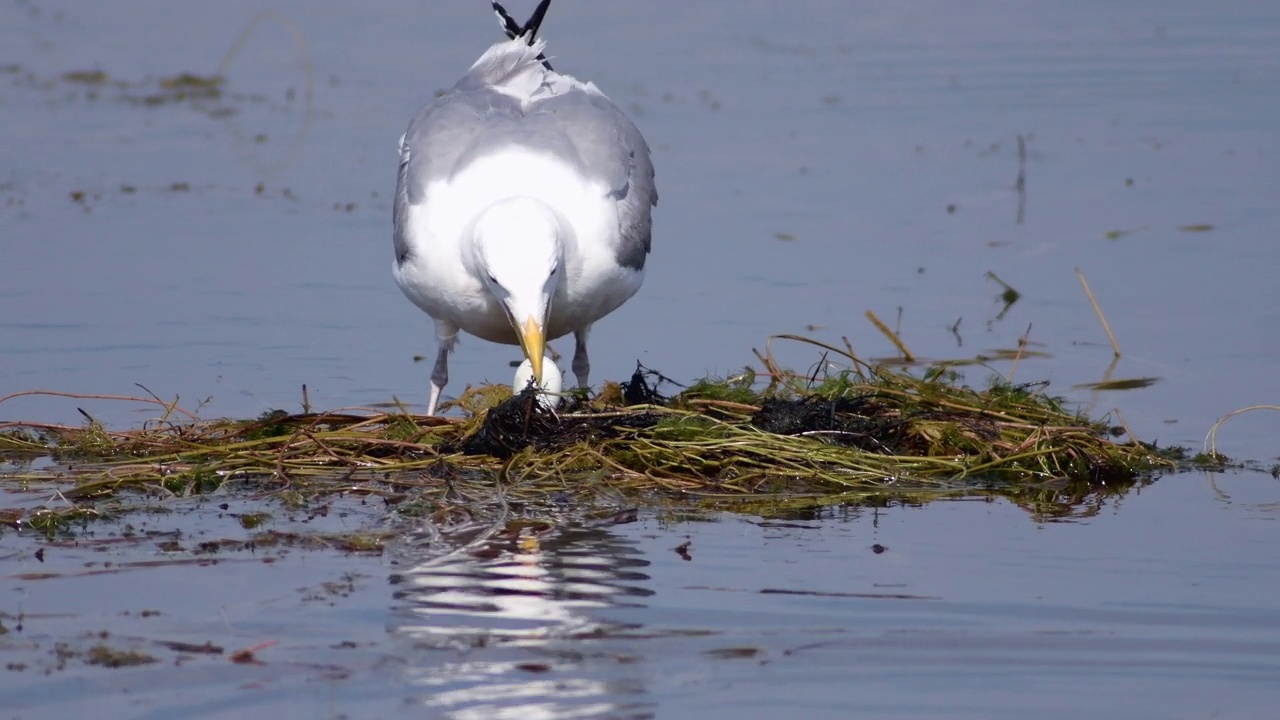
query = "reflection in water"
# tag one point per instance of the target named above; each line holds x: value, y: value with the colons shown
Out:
x: 1070, y: 500
x: 520, y: 596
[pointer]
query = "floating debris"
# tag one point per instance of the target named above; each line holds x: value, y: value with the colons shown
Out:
x: 1120, y: 384
x: 85, y: 77
x: 855, y: 435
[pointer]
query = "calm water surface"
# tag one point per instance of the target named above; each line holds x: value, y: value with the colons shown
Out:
x: 815, y: 161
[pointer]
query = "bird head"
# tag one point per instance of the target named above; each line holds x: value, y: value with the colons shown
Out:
x: 518, y: 254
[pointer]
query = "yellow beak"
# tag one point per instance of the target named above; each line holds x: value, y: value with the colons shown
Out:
x: 534, y: 344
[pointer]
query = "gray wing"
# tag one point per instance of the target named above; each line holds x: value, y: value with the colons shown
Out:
x: 609, y: 148
x: 437, y: 137
x: 566, y: 118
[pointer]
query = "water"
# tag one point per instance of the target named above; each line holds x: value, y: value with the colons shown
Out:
x: 970, y: 609
x: 814, y: 163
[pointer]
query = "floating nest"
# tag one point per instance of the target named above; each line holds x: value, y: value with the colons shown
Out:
x: 870, y: 435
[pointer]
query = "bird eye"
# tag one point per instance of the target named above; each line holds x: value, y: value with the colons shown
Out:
x: 554, y: 269
x: 493, y: 279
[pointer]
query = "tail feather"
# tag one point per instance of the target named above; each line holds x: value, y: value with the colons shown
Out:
x: 528, y: 31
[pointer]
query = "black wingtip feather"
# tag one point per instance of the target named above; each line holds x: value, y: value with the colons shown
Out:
x: 535, y: 20
x: 529, y: 30
x: 509, y: 24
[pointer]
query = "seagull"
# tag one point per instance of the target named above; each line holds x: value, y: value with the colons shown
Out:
x: 522, y: 209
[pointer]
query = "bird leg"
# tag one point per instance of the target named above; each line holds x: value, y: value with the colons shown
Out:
x: 581, y: 365
x: 448, y: 336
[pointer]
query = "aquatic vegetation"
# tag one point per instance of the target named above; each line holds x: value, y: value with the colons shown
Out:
x: 85, y: 77
x: 110, y: 657
x: 862, y: 434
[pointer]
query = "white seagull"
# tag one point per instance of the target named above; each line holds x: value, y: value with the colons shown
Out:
x: 523, y: 205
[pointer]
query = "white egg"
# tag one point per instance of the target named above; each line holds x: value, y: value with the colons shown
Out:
x: 552, y: 381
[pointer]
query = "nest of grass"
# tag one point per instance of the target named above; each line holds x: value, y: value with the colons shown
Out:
x: 863, y: 435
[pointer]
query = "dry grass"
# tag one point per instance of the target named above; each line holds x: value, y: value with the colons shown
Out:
x: 866, y: 434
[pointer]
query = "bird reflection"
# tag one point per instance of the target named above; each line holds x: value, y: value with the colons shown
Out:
x: 509, y: 610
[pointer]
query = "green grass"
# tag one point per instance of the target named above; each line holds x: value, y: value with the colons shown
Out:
x: 781, y: 440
